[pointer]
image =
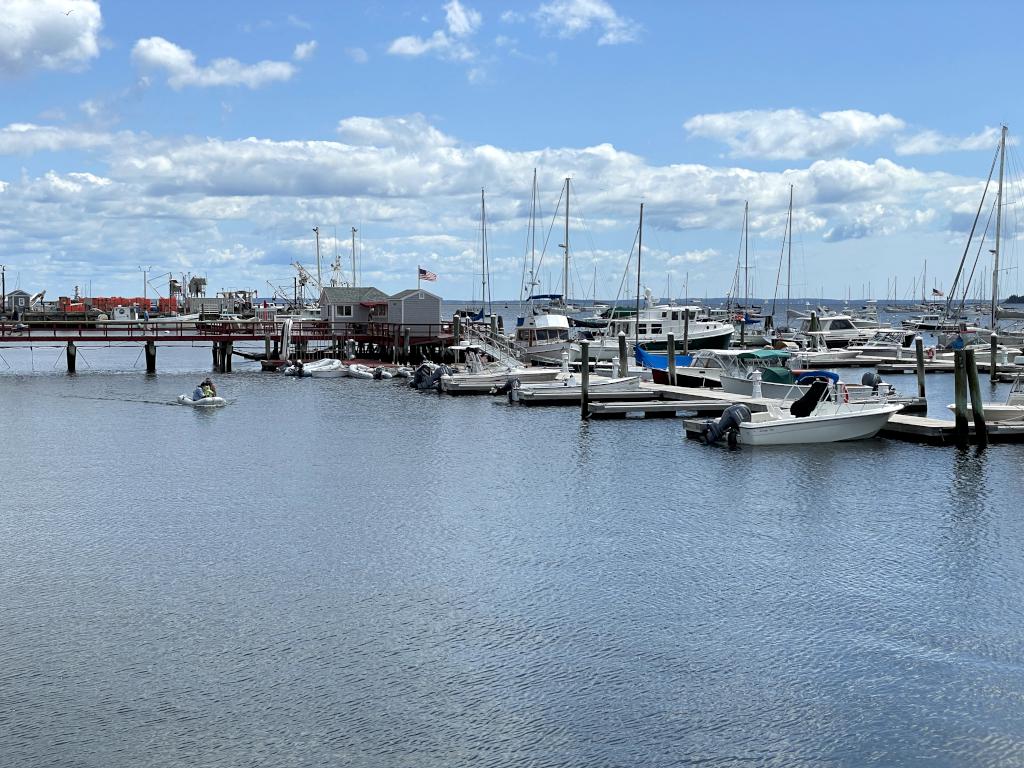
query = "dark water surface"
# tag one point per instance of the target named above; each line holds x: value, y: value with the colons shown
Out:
x: 343, y: 572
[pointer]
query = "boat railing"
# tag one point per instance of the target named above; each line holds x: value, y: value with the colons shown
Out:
x: 494, y: 344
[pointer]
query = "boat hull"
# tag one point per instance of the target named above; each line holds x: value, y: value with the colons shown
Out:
x: 205, y: 402
x: 816, y: 429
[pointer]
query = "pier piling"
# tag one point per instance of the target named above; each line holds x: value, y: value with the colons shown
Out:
x: 993, y: 370
x: 72, y: 355
x: 977, y: 407
x: 671, y: 346
x: 960, y: 398
x: 226, y: 355
x: 266, y: 347
x: 456, y: 329
x: 623, y: 358
x: 919, y: 354
x: 150, y: 356
x: 585, y: 380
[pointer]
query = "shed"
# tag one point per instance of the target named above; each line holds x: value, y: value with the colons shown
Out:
x: 414, y: 306
x: 342, y: 307
x: 18, y: 301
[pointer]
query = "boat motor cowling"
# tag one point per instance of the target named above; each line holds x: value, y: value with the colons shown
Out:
x: 871, y: 379
x: 729, y: 421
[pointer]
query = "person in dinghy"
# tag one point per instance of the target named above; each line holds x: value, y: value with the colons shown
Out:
x: 204, y: 389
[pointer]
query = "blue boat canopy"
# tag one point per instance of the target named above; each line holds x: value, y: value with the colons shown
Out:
x: 544, y: 296
x: 804, y: 376
x: 660, y: 362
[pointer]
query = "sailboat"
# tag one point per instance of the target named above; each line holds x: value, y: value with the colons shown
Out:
x: 486, y: 305
x: 542, y: 331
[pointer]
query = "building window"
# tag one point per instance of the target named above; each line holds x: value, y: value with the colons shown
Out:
x: 344, y: 310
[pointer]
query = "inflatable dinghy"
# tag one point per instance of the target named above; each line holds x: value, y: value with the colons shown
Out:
x: 205, y: 402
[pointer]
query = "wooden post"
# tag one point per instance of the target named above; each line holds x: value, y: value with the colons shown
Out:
x: 456, y: 329
x: 919, y: 354
x: 960, y: 398
x: 228, y: 353
x: 977, y: 407
x: 150, y: 356
x: 672, y: 356
x: 686, y: 333
x: 993, y: 373
x: 585, y: 380
x: 623, y: 359
x: 494, y: 325
x: 266, y: 347
x: 406, y: 348
x: 72, y: 355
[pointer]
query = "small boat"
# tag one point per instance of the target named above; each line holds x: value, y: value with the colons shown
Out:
x: 307, y: 369
x: 1011, y: 410
x: 204, y: 402
x: 820, y: 416
x: 380, y: 372
x: 335, y: 369
x: 360, y: 371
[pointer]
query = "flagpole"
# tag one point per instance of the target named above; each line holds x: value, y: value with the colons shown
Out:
x: 417, y: 278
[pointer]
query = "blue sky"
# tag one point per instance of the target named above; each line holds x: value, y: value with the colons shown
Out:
x: 210, y: 138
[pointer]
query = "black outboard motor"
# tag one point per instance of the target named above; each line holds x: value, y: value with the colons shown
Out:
x: 434, y: 381
x: 420, y: 376
x: 729, y: 422
x: 506, y: 389
x: 871, y: 379
x: 809, y: 400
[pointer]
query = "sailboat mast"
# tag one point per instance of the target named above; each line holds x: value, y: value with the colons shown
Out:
x: 746, y: 258
x: 999, y: 226
x: 483, y: 250
x: 353, y: 257
x: 639, y: 251
x: 565, y: 259
x: 789, y: 256
x: 319, y: 278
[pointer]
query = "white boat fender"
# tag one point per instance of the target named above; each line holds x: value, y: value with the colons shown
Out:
x: 727, y: 424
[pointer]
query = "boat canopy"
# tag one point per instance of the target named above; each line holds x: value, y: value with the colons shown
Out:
x: 805, y: 377
x: 763, y: 355
x: 550, y: 296
x: 777, y: 375
x: 660, y: 362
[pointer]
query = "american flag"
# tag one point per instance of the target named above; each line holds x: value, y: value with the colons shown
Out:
x: 426, y: 274
x: 937, y: 292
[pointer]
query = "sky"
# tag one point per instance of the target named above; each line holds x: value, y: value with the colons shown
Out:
x: 142, y: 140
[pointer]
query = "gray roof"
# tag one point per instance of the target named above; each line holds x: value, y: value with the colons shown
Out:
x: 334, y: 295
x: 411, y: 292
x: 18, y: 292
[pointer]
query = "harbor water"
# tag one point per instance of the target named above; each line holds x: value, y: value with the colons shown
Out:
x: 345, y: 572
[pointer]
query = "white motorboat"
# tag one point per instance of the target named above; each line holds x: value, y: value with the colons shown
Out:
x: 830, y: 331
x: 204, y: 402
x: 821, y: 416
x: 541, y: 337
x: 307, y: 369
x: 829, y: 423
x: 334, y: 370
x: 656, y: 323
x: 481, y: 377
x: 1011, y: 410
x: 360, y: 371
x: 570, y: 389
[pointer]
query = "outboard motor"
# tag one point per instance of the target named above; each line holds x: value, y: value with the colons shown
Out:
x: 512, y: 382
x: 432, y: 379
x: 871, y: 379
x: 809, y: 400
x: 727, y: 424
x: 420, y: 376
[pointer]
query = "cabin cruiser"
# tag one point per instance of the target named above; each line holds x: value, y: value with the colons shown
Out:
x: 831, y: 331
x: 541, y: 337
x: 651, y: 328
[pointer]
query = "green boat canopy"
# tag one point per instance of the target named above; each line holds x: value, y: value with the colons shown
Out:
x: 776, y: 375
x: 764, y: 354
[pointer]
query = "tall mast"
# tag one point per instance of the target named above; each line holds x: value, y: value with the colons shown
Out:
x: 319, y: 278
x: 639, y: 251
x: 789, y: 256
x: 999, y: 226
x: 533, y: 235
x: 746, y: 258
x: 484, y: 297
x: 565, y: 260
x: 353, y: 257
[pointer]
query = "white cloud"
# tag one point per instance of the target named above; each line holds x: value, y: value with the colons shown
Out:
x: 26, y: 138
x: 304, y: 51
x: 934, y: 143
x: 180, y: 66
x: 692, y: 257
x: 512, y: 17
x: 241, y: 205
x: 358, y: 55
x: 792, y: 134
x: 48, y: 34
x: 568, y: 18
x: 461, y: 22
x: 298, y: 23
